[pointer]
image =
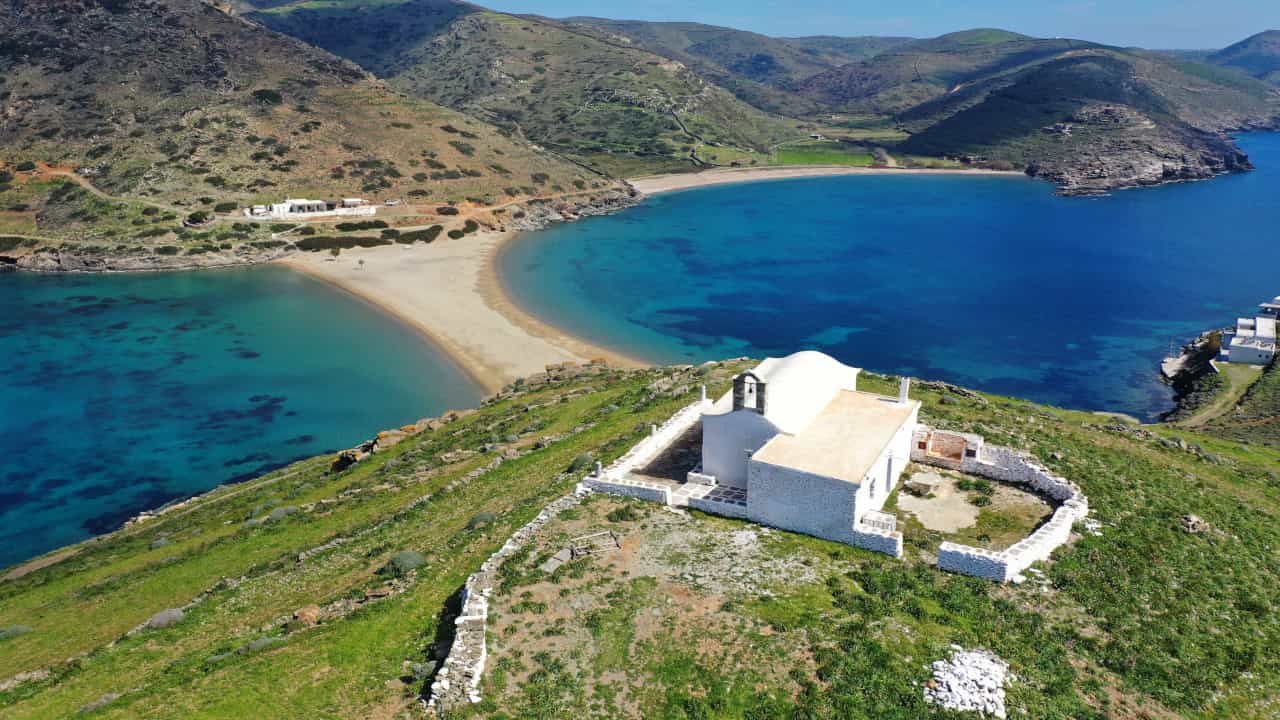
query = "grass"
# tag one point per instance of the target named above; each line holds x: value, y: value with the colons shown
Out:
x: 822, y: 152
x: 1144, y: 615
x: 1231, y: 383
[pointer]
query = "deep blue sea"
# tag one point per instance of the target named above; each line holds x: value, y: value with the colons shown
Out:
x: 121, y: 392
x: 989, y: 282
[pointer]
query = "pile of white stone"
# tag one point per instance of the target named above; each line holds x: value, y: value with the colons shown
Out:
x: 973, y: 681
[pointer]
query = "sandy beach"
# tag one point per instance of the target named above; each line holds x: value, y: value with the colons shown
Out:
x: 450, y: 292
x: 654, y: 184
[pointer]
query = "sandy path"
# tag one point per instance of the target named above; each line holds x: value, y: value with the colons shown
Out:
x: 653, y: 184
x: 449, y: 290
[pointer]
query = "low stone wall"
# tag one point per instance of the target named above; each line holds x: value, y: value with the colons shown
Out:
x: 876, y: 540
x: 1011, y: 466
x: 458, y: 680
x: 647, y: 449
x: 717, y: 507
x: 631, y: 488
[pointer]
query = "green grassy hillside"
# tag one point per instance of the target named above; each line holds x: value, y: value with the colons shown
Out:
x: 574, y: 91
x: 1257, y: 56
x: 119, y: 117
x: 291, y: 609
x: 1256, y: 418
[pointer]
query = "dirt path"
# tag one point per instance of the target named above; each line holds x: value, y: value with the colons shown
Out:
x: 1236, y: 380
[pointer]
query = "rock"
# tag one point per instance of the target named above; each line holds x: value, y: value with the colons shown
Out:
x: 309, y: 616
x: 101, y: 702
x: 281, y: 513
x: 1194, y: 524
x: 165, y: 619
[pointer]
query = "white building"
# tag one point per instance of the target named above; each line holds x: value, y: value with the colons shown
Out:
x: 302, y: 209
x: 1253, y: 342
x: 812, y: 453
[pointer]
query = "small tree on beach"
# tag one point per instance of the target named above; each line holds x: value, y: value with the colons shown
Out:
x: 335, y: 251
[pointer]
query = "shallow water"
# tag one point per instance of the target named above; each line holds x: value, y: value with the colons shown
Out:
x: 990, y: 282
x: 122, y: 392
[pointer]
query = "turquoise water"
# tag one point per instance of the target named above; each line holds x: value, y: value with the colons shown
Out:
x: 122, y: 392
x: 990, y: 282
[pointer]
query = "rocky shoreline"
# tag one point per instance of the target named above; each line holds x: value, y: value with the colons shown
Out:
x: 1187, y: 374
x: 532, y: 215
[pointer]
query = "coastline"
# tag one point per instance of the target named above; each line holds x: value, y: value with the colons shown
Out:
x: 450, y: 292
x: 657, y: 184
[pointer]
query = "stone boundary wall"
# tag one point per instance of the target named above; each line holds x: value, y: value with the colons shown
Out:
x: 458, y: 680
x: 641, y: 490
x: 716, y: 507
x: 649, y: 448
x: 1017, y: 467
x: 876, y: 540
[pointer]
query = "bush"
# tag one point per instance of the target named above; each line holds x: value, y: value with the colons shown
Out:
x: 267, y: 96
x: 168, y: 250
x: 446, y: 210
x: 329, y: 242
x: 457, y: 234
x: 197, y: 217
x: 391, y: 234
x: 226, y: 207
x: 465, y: 148
x: 470, y: 226
x: 581, y: 463
x: 5, y: 177
x: 363, y: 225
x: 625, y: 513
x: 27, y: 166
x: 308, y: 230
x: 402, y: 562
x: 426, y: 236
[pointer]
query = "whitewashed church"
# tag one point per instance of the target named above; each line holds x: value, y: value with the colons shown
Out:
x: 812, y: 452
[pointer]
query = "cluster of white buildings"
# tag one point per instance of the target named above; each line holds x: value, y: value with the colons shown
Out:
x: 1254, y: 339
x: 302, y: 209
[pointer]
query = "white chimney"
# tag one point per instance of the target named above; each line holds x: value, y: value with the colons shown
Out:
x: 903, y: 387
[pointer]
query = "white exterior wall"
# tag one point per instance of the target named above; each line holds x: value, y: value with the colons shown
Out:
x: 728, y: 442
x: 794, y: 500
x: 884, y: 476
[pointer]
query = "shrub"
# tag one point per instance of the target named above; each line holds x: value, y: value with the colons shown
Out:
x: 426, y: 236
x: 267, y: 96
x: 363, y: 225
x: 5, y: 177
x: 308, y: 230
x: 402, y: 562
x: 197, y: 217
x: 581, y: 463
x: 464, y: 148
x: 168, y: 250
x: 26, y: 166
x: 457, y: 234
x: 446, y: 210
x: 149, y: 211
x: 329, y: 242
x: 625, y: 513
x: 225, y: 207
x: 470, y: 226
x: 391, y: 234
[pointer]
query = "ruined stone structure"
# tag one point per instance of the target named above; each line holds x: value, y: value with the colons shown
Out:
x: 970, y: 454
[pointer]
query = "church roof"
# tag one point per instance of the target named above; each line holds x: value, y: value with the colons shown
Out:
x: 845, y: 438
x: 798, y: 387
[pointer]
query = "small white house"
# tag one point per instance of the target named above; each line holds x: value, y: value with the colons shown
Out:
x: 1252, y: 343
x: 303, y: 209
x: 812, y: 453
